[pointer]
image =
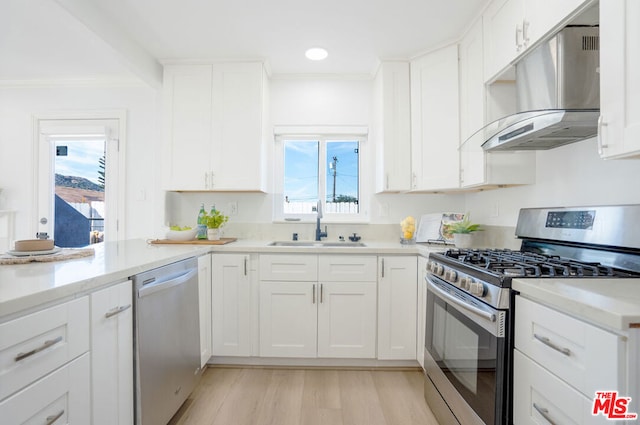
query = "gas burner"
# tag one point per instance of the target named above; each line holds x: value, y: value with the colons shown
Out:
x: 509, y: 263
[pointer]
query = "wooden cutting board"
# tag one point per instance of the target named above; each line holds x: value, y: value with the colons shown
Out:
x: 222, y: 241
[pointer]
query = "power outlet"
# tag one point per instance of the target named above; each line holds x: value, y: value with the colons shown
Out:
x: 232, y: 207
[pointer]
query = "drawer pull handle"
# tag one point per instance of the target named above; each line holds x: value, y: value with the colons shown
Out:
x: 116, y: 310
x: 548, y: 343
x: 544, y: 413
x: 53, y: 418
x: 48, y: 343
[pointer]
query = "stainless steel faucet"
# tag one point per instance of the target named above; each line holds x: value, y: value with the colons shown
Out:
x: 319, y: 233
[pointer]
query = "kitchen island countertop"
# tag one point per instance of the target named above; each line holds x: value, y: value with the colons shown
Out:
x: 610, y: 303
x: 25, y: 286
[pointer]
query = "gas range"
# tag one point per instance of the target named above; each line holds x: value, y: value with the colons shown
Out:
x: 469, y: 324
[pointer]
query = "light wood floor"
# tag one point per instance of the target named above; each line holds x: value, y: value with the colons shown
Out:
x: 255, y: 396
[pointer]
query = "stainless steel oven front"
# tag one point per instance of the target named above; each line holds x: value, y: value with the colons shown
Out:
x: 466, y: 357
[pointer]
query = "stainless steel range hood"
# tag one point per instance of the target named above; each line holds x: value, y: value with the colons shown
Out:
x: 558, y: 95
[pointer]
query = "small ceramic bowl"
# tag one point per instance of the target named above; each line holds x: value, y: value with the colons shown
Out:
x: 34, y: 245
x: 182, y: 235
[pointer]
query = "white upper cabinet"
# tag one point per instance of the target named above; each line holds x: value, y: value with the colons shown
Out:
x: 187, y: 126
x: 619, y: 132
x: 214, y: 117
x: 435, y: 133
x: 513, y: 26
x: 392, y: 127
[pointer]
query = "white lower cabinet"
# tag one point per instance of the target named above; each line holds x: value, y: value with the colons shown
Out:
x: 36, y: 344
x: 61, y: 397
x: 397, y: 307
x: 346, y: 320
x: 331, y: 314
x: 541, y: 397
x: 204, y: 304
x: 112, y: 355
x: 422, y: 309
x: 288, y: 319
x: 559, y: 364
x: 231, y: 317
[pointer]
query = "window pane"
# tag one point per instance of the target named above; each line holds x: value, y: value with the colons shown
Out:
x: 300, y: 176
x: 342, y: 177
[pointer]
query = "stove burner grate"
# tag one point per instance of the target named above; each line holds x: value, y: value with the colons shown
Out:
x: 526, y: 264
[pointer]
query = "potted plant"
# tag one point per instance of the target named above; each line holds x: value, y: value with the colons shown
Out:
x: 462, y: 232
x: 214, y: 222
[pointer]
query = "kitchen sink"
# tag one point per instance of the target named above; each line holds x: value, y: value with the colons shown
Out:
x: 319, y: 244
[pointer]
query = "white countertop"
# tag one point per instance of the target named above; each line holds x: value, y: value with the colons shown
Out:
x: 26, y: 286
x: 609, y: 303
x: 23, y: 286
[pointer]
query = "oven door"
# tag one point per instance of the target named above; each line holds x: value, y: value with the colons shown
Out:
x: 465, y: 356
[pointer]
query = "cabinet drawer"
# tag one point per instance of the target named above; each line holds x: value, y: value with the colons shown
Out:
x: 300, y: 268
x: 347, y: 268
x: 537, y: 392
x: 585, y: 356
x: 62, y: 397
x: 36, y: 344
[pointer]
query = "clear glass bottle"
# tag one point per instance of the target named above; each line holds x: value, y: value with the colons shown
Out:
x: 202, y: 223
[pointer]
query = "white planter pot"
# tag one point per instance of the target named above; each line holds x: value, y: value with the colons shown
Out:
x: 213, y: 234
x: 463, y: 240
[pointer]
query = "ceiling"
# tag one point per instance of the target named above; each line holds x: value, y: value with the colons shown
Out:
x: 40, y: 39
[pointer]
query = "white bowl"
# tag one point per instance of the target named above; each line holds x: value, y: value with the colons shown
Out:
x: 182, y: 235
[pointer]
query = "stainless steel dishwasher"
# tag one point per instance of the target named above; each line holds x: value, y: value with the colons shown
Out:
x: 167, y: 340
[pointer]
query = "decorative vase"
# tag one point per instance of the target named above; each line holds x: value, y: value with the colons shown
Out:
x: 463, y: 240
x: 213, y: 234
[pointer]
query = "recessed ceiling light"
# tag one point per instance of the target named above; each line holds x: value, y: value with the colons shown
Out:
x: 316, y: 54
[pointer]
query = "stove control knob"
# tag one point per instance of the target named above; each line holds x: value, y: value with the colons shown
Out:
x: 439, y: 270
x: 451, y: 275
x: 477, y: 288
x: 464, y: 282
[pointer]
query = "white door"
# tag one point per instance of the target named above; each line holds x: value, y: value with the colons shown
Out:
x: 288, y: 319
x: 619, y: 132
x: 68, y: 146
x: 347, y: 320
x: 397, y: 307
x: 112, y: 355
x: 231, y: 305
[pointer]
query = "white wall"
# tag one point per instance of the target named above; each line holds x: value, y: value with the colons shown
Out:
x: 17, y: 107
x: 571, y: 175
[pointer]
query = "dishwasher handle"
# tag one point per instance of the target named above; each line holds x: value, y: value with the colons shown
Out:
x: 161, y: 285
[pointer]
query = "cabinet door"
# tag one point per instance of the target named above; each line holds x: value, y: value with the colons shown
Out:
x: 204, y: 302
x: 112, y: 355
x: 62, y: 397
x: 435, y: 132
x: 397, y: 307
x: 422, y: 309
x: 347, y: 320
x: 542, y: 17
x: 619, y: 132
x: 187, y: 126
x: 540, y: 397
x: 503, y: 35
x: 36, y: 344
x: 392, y: 127
x: 288, y: 319
x: 237, y: 117
x: 347, y: 268
x: 231, y: 305
x: 586, y: 357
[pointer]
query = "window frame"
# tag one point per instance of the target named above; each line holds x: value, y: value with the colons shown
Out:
x: 322, y: 138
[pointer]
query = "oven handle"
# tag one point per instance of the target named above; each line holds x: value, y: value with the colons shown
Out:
x: 443, y: 294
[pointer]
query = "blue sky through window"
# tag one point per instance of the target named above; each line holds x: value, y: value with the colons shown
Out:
x: 301, y: 174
